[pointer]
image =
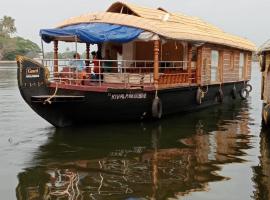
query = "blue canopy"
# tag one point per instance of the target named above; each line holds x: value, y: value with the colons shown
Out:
x: 93, y: 33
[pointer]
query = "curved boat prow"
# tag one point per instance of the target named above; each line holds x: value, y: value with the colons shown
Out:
x: 33, y: 85
x: 32, y: 78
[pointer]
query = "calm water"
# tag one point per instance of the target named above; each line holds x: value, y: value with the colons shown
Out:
x: 217, y: 153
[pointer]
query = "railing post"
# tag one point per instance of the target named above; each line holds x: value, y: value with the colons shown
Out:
x: 156, y: 62
x: 87, y: 54
x: 55, y: 56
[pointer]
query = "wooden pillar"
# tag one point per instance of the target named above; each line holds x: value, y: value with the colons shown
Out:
x: 156, y: 62
x: 87, y: 54
x: 199, y: 65
x: 220, y: 65
x: 55, y: 56
x: 189, y: 52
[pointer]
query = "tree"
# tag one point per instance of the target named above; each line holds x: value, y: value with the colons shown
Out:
x: 22, y: 47
x: 12, y: 46
x: 7, y: 26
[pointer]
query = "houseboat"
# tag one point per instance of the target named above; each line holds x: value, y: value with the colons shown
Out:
x: 149, y: 63
x: 264, y: 57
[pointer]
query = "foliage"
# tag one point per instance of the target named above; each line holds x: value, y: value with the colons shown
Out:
x: 12, y: 46
x: 7, y: 26
x: 22, y: 47
x: 65, y: 55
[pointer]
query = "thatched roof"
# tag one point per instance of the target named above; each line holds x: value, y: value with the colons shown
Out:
x: 166, y: 24
x: 265, y: 47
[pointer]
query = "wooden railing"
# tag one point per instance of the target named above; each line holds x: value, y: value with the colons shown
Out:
x: 126, y: 72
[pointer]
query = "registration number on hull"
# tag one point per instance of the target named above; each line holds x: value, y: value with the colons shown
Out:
x: 128, y: 96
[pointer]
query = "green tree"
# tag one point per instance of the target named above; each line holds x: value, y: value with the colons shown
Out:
x: 7, y: 26
x: 22, y: 47
x: 12, y: 46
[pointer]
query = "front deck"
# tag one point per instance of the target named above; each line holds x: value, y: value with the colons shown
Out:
x: 98, y: 76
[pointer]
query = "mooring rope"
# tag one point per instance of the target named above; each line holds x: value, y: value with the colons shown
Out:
x: 48, y: 100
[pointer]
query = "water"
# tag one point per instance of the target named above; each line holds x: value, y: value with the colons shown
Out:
x: 217, y: 153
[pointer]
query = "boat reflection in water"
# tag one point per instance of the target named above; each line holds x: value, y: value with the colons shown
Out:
x: 172, y: 158
x: 262, y: 171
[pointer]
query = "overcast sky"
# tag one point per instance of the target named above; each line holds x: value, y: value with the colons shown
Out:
x: 246, y: 18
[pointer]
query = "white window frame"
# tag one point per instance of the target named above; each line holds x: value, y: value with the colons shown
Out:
x: 214, y: 65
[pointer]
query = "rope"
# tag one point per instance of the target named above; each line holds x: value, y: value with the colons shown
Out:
x: 203, y: 93
x: 156, y: 93
x: 48, y: 100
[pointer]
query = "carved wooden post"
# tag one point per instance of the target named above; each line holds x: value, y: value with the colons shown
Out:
x: 55, y: 56
x: 156, y: 62
x: 87, y: 54
x: 189, y: 64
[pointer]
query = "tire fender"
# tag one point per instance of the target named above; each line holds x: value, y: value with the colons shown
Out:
x: 249, y: 87
x: 220, y: 95
x: 199, y: 96
x: 266, y: 115
x: 244, y: 94
x: 157, y: 108
x: 234, y: 93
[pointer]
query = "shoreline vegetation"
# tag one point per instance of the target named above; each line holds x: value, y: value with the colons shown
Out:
x: 11, y: 45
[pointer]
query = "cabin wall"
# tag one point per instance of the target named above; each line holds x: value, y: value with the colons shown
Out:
x: 128, y: 53
x: 228, y: 65
x: 206, y: 65
x: 172, y: 51
x: 266, y: 78
x: 144, y: 51
x: 231, y: 65
x: 249, y: 65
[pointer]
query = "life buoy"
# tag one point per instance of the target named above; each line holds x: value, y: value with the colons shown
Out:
x: 244, y: 94
x: 234, y: 93
x: 248, y: 87
x: 199, y: 96
x: 220, y: 96
x: 157, y: 108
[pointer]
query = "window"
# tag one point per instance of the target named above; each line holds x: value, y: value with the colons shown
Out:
x: 241, y: 65
x: 214, y: 65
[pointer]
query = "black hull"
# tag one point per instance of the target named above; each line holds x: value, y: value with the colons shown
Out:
x: 86, y: 107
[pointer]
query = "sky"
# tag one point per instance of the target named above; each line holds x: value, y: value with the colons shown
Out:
x: 246, y: 18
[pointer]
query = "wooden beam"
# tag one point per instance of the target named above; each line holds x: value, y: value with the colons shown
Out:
x: 156, y: 62
x: 199, y: 65
x: 220, y: 66
x: 55, y: 56
x: 189, y: 64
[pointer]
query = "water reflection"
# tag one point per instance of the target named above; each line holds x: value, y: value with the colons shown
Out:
x: 262, y: 171
x: 145, y: 161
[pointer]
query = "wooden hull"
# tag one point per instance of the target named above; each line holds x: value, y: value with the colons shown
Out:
x: 64, y: 106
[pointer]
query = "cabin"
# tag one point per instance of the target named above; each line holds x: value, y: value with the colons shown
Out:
x: 150, y: 48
